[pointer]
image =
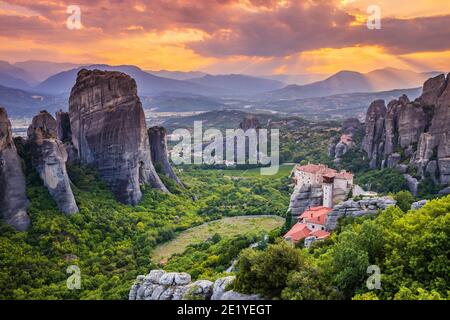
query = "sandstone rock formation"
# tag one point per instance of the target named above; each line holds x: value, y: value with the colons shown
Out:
x: 412, y: 134
x: 350, y: 128
x: 49, y: 157
x: 64, y: 134
x: 372, y: 143
x: 13, y: 195
x: 109, y: 132
x: 304, y: 198
x: 161, y: 285
x: 160, y: 156
x: 366, y: 206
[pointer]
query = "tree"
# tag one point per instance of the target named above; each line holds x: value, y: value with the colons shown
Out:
x: 266, y: 272
x: 404, y: 200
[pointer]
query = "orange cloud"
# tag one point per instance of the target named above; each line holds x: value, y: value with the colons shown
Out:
x: 254, y: 36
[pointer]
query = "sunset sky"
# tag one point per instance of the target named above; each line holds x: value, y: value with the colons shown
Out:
x: 231, y: 36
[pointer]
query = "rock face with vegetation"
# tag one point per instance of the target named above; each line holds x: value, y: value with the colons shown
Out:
x: 352, y: 208
x: 13, y: 195
x: 161, y: 285
x: 109, y: 132
x: 412, y: 134
x: 160, y: 156
x: 49, y: 157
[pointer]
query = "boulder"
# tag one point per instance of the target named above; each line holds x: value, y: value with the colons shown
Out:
x: 13, y: 193
x: 161, y: 285
x: 419, y: 204
x: 49, y: 157
x: 219, y: 287
x: 109, y: 132
x: 413, y: 183
x: 199, y: 290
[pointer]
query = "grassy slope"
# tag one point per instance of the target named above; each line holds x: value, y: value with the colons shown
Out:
x: 227, y: 227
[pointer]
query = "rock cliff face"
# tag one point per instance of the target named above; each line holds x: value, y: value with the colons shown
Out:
x: 13, y: 195
x: 109, y: 132
x: 372, y: 143
x: 49, y: 157
x: 161, y: 285
x: 366, y: 206
x: 304, y: 198
x: 160, y: 156
x: 412, y: 134
x: 64, y: 134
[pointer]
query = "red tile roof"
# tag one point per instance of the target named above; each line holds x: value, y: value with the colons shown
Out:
x: 316, y: 215
x: 298, y: 232
x: 325, y: 171
x: 301, y: 231
x: 344, y: 175
x: 316, y: 168
x: 320, y: 234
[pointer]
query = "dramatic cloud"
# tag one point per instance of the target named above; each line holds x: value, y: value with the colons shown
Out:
x: 208, y: 30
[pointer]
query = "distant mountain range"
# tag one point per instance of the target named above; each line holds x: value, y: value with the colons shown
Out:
x: 351, y: 82
x: 20, y: 103
x: 152, y: 85
x: 177, y: 75
x: 176, y: 91
x: 41, y: 70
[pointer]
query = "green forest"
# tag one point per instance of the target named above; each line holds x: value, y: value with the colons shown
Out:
x: 112, y: 243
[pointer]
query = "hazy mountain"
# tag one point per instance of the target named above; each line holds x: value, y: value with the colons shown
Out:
x: 181, y: 103
x: 14, y: 77
x: 41, y: 70
x: 177, y: 75
x: 351, y: 82
x: 12, y: 82
x: 391, y: 78
x: 341, y: 82
x: 20, y: 103
x: 339, y: 106
x: 239, y: 84
x: 299, y: 79
x: 148, y: 84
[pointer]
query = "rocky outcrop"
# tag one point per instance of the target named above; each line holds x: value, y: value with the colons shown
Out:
x: 304, y: 198
x: 109, y: 132
x: 161, y: 285
x: 350, y: 128
x: 373, y: 141
x: 63, y: 129
x: 64, y: 134
x: 49, y: 157
x: 352, y: 208
x: 413, y: 184
x: 418, y: 204
x: 412, y: 134
x: 160, y: 156
x: 13, y: 194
